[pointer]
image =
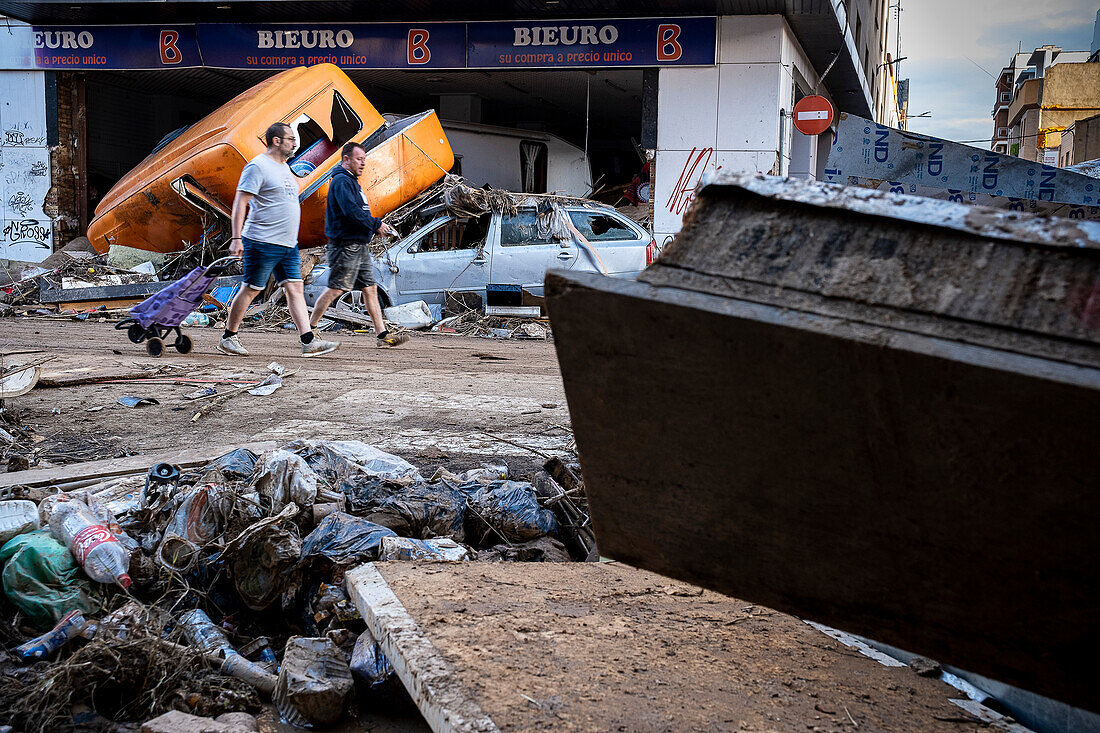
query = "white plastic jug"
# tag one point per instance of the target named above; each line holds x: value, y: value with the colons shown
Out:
x: 16, y: 517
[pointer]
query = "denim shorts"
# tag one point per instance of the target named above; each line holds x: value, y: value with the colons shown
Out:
x: 350, y: 266
x: 262, y: 260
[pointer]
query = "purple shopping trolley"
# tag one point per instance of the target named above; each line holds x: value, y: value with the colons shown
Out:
x: 158, y: 316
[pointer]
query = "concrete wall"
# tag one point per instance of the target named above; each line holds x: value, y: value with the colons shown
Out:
x: 729, y: 117
x: 26, y: 229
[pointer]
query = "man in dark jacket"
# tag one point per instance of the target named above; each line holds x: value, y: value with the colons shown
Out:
x: 349, y: 227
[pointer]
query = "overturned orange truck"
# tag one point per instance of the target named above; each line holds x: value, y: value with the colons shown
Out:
x: 187, y: 184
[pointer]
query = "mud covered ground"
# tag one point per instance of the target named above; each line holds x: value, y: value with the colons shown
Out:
x: 434, y: 401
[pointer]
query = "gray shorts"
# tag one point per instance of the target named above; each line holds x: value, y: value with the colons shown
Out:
x: 350, y: 266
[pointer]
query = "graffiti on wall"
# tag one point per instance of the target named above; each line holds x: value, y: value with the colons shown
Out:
x: 683, y: 193
x: 26, y: 231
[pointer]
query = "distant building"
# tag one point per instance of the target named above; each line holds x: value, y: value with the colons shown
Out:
x: 1080, y: 142
x: 1039, y: 95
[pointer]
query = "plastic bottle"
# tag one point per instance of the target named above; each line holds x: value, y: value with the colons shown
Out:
x: 103, y: 558
x: 71, y: 625
x: 202, y: 633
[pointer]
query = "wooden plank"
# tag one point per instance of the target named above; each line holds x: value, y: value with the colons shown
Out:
x: 606, y: 647
x: 39, y: 477
x: 936, y: 496
x: 140, y: 291
x: 431, y: 682
x: 84, y: 306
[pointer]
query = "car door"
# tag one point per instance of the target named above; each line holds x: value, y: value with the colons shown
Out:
x: 521, y: 256
x: 620, y: 243
x: 447, y: 254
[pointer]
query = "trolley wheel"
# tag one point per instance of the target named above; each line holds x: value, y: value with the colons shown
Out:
x: 155, y: 347
x: 183, y: 344
x: 135, y: 333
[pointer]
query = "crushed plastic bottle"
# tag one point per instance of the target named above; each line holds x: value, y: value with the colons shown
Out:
x: 101, y: 555
x: 72, y: 625
x: 202, y: 633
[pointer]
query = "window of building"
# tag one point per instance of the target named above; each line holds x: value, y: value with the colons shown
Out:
x: 1002, y: 132
x: 532, y: 161
x: 1006, y: 96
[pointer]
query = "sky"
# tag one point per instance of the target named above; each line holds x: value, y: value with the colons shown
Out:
x: 938, y: 36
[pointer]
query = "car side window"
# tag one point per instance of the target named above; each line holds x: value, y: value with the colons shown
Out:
x: 463, y: 233
x: 597, y: 226
x: 523, y: 228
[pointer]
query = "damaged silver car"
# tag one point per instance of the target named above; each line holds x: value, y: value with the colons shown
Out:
x: 464, y: 250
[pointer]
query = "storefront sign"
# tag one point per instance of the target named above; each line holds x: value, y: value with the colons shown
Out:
x: 115, y: 47
x: 592, y: 43
x: 585, y: 44
x: 348, y: 45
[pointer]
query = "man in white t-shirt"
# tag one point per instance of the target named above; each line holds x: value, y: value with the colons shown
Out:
x: 266, y: 214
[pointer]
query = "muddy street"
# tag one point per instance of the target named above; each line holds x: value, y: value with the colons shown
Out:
x: 439, y: 399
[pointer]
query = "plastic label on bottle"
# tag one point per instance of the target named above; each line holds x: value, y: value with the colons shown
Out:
x: 88, y: 539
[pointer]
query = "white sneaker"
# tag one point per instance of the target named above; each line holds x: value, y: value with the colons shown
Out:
x: 316, y: 347
x: 232, y: 346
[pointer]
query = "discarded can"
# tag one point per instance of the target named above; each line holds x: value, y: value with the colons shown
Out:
x: 259, y: 650
x: 68, y: 628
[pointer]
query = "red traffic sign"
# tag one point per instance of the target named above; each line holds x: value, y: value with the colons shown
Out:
x: 813, y: 115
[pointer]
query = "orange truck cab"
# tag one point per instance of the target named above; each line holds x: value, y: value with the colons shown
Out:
x: 188, y: 183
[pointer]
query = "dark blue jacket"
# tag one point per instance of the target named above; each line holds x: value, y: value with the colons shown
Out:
x: 347, y: 215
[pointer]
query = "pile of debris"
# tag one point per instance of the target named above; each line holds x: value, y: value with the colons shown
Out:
x: 209, y: 591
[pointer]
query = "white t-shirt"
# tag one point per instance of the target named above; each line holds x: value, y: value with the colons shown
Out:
x: 273, y: 212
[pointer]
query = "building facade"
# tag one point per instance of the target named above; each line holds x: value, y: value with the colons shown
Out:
x: 1039, y: 95
x: 629, y: 85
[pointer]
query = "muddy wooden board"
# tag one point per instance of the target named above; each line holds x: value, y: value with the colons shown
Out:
x: 605, y: 647
x: 874, y: 412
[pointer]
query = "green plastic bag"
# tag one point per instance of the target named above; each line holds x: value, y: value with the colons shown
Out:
x: 40, y: 578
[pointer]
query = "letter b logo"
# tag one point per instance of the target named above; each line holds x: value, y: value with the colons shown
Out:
x: 169, y: 51
x: 668, y: 45
x: 418, y: 46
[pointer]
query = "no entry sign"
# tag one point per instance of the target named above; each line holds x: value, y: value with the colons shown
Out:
x: 813, y: 115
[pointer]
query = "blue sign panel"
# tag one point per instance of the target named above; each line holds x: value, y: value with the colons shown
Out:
x: 348, y: 45
x: 592, y: 43
x: 115, y: 47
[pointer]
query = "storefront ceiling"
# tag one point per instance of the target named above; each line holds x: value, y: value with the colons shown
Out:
x: 608, y: 96
x: 814, y: 22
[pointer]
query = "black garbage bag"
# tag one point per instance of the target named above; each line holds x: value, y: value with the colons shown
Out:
x: 510, y: 508
x: 423, y: 511
x: 366, y: 494
x: 237, y: 465
x: 344, y: 539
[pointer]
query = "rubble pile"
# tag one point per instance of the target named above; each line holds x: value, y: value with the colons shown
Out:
x: 213, y: 590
